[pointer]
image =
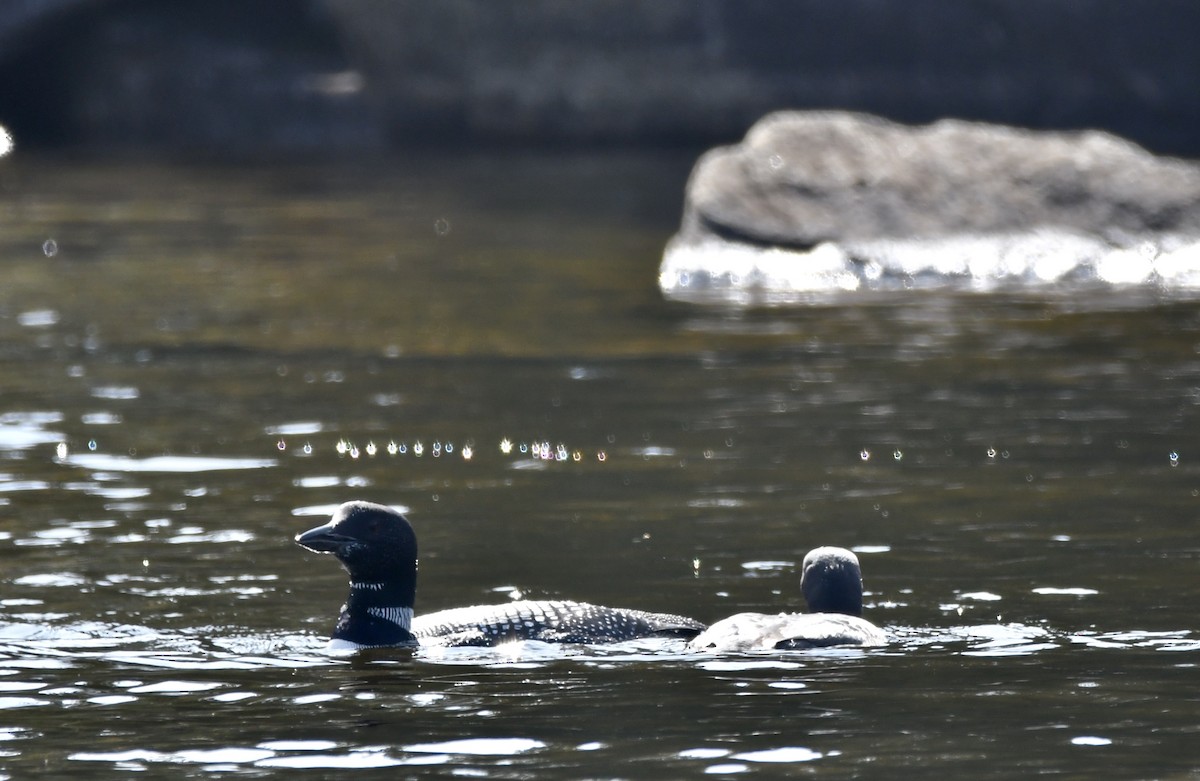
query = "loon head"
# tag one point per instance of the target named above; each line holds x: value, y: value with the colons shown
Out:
x: 375, y: 543
x: 832, y: 581
x: 378, y: 548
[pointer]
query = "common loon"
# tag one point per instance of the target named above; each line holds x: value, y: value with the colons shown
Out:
x: 832, y: 584
x: 378, y: 547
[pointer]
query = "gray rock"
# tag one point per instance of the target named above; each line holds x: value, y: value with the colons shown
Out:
x: 802, y: 178
x: 828, y: 202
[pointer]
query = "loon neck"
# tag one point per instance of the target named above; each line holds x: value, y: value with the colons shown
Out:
x: 366, y: 594
x: 376, y: 613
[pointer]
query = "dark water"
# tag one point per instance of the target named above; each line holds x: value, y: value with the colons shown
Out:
x: 204, y: 362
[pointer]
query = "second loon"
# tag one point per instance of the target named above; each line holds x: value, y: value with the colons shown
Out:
x: 832, y: 585
x: 378, y: 548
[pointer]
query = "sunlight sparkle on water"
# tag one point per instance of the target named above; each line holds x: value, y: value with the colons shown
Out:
x: 703, y: 753
x: 479, y: 746
x: 1090, y: 740
x: 38, y: 318
x: 1070, y: 592
x: 542, y: 450
x: 164, y: 464
x: 788, y: 754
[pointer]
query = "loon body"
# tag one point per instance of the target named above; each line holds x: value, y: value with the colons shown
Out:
x: 832, y: 585
x: 378, y: 547
x: 551, y: 621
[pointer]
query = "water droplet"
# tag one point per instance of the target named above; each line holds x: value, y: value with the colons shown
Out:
x: 354, y: 451
x: 437, y: 449
x: 577, y: 456
x: 991, y: 452
x: 371, y: 449
x: 393, y: 448
x: 897, y: 454
x: 6, y: 141
x: 49, y: 248
x: 61, y: 452
x: 308, y: 448
x: 506, y: 446
x: 1173, y: 458
x: 601, y: 456
x: 418, y: 448
x: 467, y: 452
x: 281, y: 445
x: 449, y: 448
x: 865, y: 454
x: 341, y: 447
x: 441, y: 226
x: 92, y: 445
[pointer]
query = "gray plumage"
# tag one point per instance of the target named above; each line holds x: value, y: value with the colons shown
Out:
x: 550, y: 621
x: 832, y: 585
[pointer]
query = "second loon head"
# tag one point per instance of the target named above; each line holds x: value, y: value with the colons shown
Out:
x: 831, y: 581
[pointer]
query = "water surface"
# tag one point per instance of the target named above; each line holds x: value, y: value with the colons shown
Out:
x: 196, y: 364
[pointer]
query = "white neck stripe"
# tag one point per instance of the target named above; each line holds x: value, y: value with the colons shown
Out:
x: 400, y: 616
